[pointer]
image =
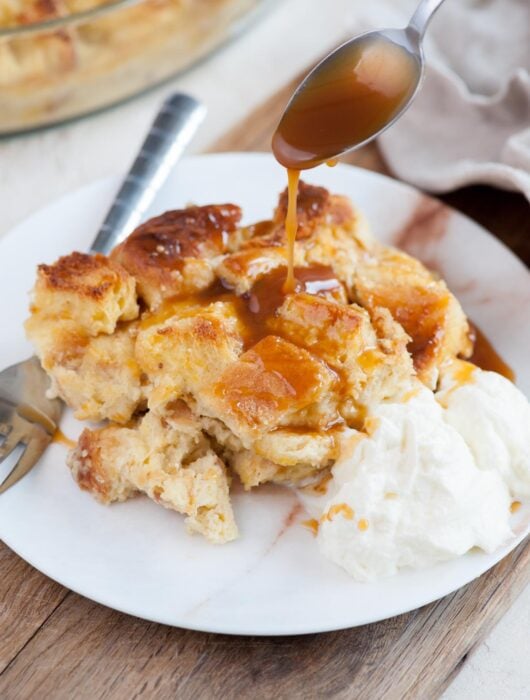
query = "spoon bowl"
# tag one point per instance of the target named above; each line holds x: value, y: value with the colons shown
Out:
x: 354, y: 94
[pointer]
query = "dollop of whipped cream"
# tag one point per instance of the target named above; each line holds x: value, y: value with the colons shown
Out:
x: 493, y: 417
x: 432, y: 477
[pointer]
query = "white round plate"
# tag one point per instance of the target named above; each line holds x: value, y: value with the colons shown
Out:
x: 136, y: 556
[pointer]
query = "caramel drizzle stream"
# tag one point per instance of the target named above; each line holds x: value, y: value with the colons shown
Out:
x: 291, y: 228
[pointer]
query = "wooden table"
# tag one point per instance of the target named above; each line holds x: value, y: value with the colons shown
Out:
x: 56, y: 644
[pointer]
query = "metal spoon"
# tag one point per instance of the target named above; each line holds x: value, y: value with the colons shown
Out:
x: 354, y: 94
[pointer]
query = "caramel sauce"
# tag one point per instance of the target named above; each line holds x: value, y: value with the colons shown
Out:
x: 291, y: 228
x: 321, y: 487
x: 254, y: 309
x: 260, y: 228
x: 408, y: 395
x: 268, y: 294
x: 371, y: 424
x: 486, y: 357
x: 351, y: 96
x: 312, y: 525
x: 339, y: 509
x: 60, y: 438
x: 463, y: 374
x: 272, y: 377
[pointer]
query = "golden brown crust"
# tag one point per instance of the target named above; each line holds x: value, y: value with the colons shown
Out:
x: 91, y: 276
x: 79, y: 297
x: 353, y: 344
x: 331, y: 233
x: 267, y: 385
x: 317, y: 209
x: 91, y: 466
x: 420, y: 303
x: 314, y: 206
x: 170, y: 255
x: 78, y: 326
x: 195, y: 232
x: 336, y: 334
x: 319, y: 324
x: 38, y: 11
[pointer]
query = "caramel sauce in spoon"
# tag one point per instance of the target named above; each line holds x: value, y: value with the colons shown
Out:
x: 349, y: 98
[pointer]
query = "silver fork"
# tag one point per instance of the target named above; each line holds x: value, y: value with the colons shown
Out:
x: 27, y: 417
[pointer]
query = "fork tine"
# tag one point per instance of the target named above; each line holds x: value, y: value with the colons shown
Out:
x: 27, y: 459
x: 6, y: 415
x: 14, y: 437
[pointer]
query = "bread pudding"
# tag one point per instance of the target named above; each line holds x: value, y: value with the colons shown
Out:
x: 60, y: 58
x: 203, y: 370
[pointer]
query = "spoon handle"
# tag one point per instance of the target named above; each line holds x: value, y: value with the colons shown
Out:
x: 170, y: 133
x: 422, y: 16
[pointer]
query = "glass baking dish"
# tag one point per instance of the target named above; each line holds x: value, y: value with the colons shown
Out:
x: 60, y: 59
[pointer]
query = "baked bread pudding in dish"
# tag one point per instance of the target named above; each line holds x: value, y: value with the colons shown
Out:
x: 62, y: 58
x: 355, y: 389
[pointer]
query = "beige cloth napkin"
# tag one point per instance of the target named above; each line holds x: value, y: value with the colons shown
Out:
x: 471, y: 121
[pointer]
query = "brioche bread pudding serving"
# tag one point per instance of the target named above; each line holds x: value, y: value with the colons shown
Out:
x: 355, y: 389
x: 63, y: 58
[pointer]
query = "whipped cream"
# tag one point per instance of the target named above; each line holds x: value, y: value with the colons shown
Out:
x: 433, y: 478
x: 493, y: 417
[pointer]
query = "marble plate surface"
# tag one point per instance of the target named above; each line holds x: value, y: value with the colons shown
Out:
x: 136, y: 557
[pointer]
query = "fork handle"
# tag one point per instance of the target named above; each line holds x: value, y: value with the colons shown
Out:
x: 168, y: 137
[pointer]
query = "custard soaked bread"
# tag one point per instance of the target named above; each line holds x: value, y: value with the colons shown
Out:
x: 78, y: 327
x: 423, y: 306
x: 169, y: 459
x: 186, y: 338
